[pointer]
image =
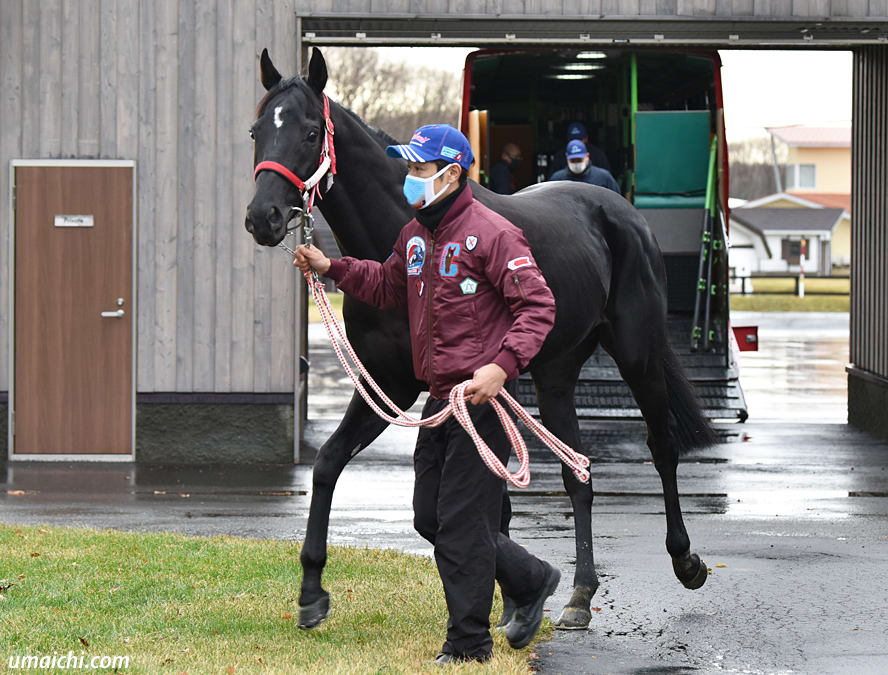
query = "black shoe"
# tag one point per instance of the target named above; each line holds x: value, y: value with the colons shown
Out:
x: 445, y: 658
x: 527, y: 619
x: 508, y: 613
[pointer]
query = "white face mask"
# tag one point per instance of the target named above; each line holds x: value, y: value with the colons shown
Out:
x: 416, y: 188
x: 578, y: 166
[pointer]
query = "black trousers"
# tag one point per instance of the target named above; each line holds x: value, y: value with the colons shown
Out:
x: 457, y: 506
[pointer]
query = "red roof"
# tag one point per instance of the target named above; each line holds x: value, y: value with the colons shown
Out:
x: 829, y: 200
x: 814, y: 137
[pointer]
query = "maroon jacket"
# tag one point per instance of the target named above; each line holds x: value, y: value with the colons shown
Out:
x: 473, y: 292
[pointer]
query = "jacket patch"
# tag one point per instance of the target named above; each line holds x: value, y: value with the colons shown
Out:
x: 449, y: 267
x: 468, y: 286
x: 471, y: 242
x: 415, y: 255
x: 523, y: 261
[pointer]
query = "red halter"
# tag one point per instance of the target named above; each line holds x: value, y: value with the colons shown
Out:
x: 327, y: 153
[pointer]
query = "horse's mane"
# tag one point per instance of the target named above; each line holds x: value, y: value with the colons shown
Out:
x: 381, y: 137
x: 384, y: 139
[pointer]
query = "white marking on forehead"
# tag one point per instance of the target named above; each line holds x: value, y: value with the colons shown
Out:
x: 278, y: 122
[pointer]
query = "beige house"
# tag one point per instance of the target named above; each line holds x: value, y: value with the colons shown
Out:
x: 817, y: 176
x: 839, y: 235
x: 770, y: 239
x: 818, y: 159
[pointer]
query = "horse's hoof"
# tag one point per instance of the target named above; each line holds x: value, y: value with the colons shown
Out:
x: 691, y: 571
x: 311, y: 615
x: 573, y: 618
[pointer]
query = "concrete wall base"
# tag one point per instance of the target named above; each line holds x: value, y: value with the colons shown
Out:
x: 205, y: 433
x: 868, y: 402
x: 212, y: 433
x: 4, y: 429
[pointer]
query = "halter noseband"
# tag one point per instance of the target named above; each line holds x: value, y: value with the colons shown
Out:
x: 326, y: 163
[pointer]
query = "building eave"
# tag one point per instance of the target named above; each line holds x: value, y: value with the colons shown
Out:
x: 777, y: 196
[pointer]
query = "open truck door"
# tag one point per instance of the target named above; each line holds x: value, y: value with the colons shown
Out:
x: 657, y: 119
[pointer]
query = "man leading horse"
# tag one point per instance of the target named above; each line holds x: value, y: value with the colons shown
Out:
x: 478, y: 309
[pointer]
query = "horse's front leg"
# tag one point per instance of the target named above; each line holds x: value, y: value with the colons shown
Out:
x: 358, y: 429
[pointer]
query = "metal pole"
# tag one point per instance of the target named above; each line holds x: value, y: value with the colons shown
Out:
x: 633, y: 110
x: 713, y: 247
x: 803, y: 247
x: 777, y: 179
x: 705, y: 251
x: 300, y: 330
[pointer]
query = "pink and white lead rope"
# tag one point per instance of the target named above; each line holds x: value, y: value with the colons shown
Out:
x: 578, y: 463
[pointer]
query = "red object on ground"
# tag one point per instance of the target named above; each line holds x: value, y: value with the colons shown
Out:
x: 747, y: 338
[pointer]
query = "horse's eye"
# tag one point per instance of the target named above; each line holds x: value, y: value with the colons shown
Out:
x: 312, y: 135
x: 252, y: 135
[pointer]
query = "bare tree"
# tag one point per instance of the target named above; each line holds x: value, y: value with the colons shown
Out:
x: 752, y: 167
x: 751, y: 181
x: 756, y: 151
x: 389, y: 95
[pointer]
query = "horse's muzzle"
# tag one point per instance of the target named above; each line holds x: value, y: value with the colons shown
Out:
x: 268, y: 228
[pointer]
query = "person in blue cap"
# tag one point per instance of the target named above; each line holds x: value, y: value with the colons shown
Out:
x: 579, y: 168
x: 479, y: 310
x: 576, y: 131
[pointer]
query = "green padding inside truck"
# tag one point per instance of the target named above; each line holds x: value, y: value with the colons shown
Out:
x: 671, y: 159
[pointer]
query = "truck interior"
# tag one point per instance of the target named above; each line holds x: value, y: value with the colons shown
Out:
x: 657, y: 119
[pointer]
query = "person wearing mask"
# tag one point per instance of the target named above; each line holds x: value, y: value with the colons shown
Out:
x: 479, y: 308
x: 502, y: 174
x: 576, y: 131
x: 579, y: 168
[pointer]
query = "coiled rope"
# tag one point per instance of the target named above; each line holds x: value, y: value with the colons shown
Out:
x: 457, y: 407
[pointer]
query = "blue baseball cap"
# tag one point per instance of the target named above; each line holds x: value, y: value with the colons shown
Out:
x: 577, y: 130
x: 576, y: 150
x: 435, y: 141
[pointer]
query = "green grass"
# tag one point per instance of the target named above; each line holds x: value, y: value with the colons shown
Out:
x: 222, y: 604
x: 314, y: 316
x: 822, y: 285
x: 762, y: 302
x: 790, y: 303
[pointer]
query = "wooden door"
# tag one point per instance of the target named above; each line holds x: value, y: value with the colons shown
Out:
x: 73, y: 261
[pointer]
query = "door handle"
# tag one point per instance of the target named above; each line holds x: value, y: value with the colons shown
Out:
x: 117, y: 314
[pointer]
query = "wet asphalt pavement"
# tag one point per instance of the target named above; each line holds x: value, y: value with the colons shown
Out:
x: 790, y: 512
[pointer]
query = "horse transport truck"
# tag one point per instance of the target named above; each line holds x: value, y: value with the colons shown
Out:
x: 658, y: 117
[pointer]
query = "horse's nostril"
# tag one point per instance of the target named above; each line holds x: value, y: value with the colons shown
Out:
x: 274, y: 216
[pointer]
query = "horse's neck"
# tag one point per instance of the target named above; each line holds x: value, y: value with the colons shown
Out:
x: 365, y: 208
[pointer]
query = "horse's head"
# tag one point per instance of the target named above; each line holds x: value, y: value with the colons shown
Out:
x: 289, y: 131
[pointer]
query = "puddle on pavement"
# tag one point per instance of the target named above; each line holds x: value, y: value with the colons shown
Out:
x: 798, y: 374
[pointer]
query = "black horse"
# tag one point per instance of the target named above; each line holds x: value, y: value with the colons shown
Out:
x: 594, y: 249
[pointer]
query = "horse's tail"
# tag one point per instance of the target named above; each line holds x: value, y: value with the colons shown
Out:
x: 691, y: 428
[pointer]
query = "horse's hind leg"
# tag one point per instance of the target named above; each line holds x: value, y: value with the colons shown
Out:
x: 640, y: 348
x: 359, y: 427
x: 555, y: 385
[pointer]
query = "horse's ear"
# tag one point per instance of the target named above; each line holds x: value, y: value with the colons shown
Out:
x: 269, y: 74
x: 317, y: 71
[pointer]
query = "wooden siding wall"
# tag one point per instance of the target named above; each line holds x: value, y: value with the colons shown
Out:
x: 172, y: 84
x: 869, y: 211
x: 594, y: 8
